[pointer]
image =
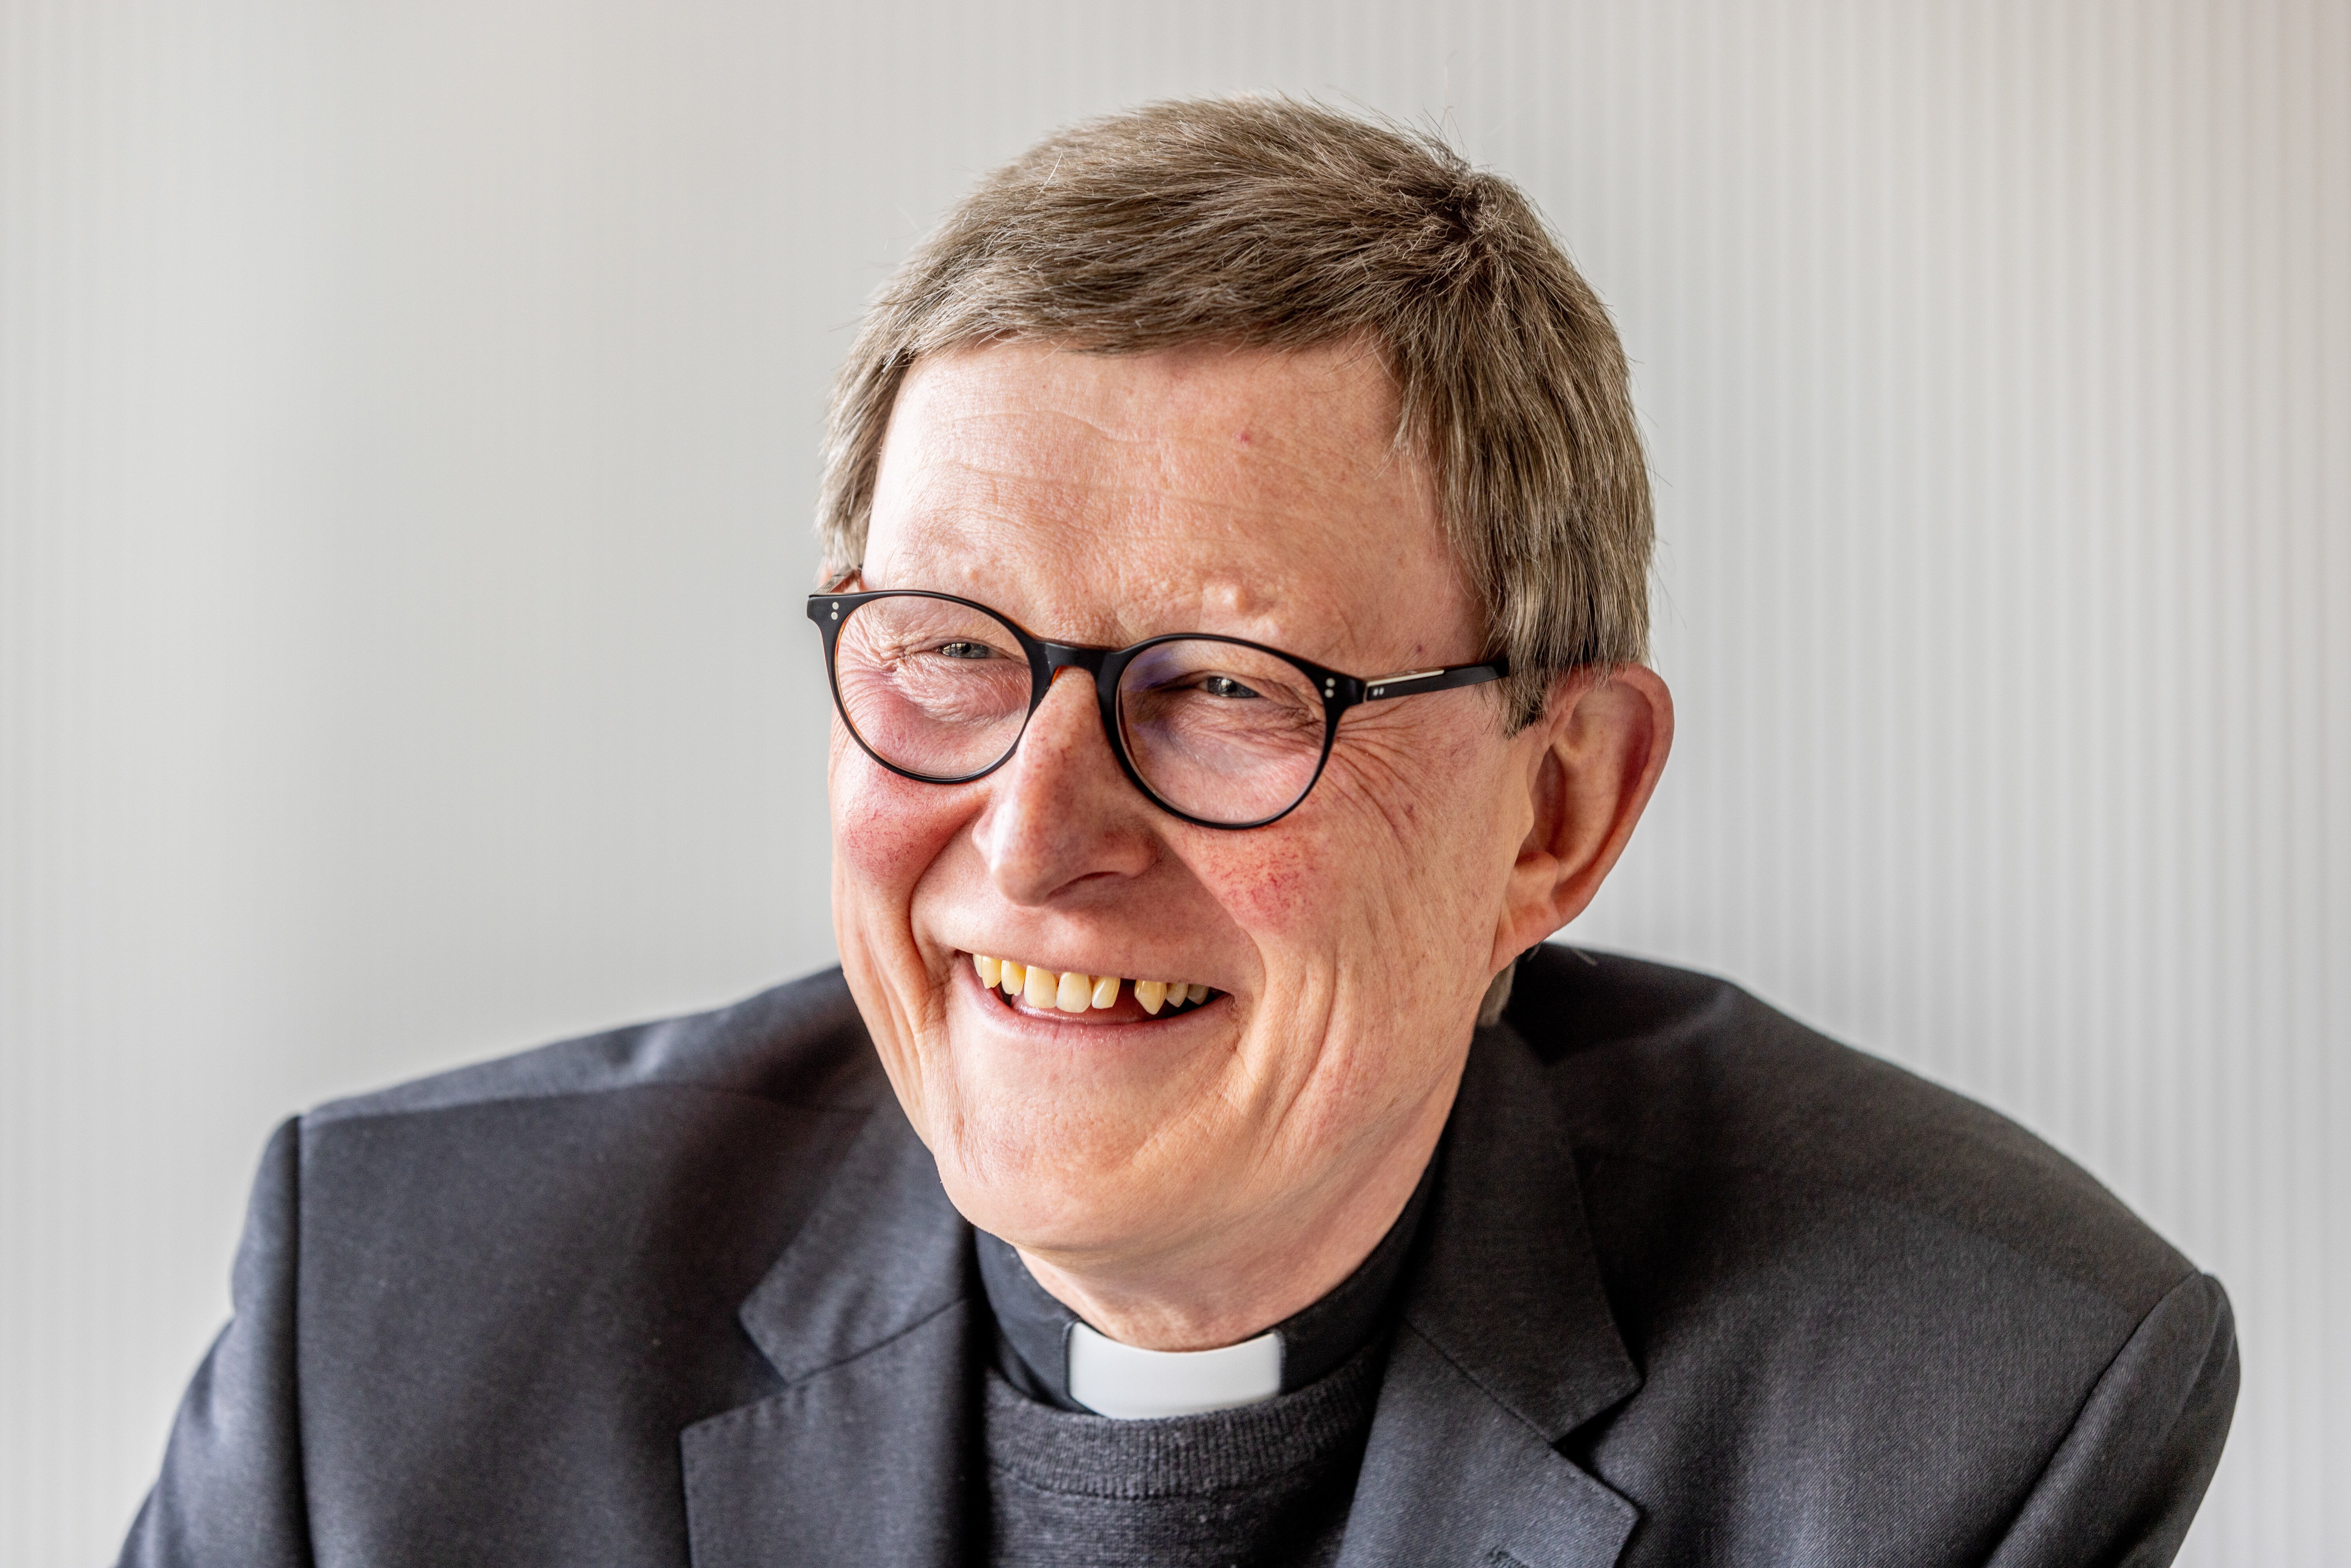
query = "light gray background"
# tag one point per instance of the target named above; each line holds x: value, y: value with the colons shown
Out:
x: 407, y: 416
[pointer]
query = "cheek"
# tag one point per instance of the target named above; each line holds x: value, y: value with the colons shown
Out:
x: 1399, y: 840
x: 1324, y: 885
x: 886, y: 830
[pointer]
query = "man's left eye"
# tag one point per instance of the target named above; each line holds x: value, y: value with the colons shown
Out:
x: 1224, y: 687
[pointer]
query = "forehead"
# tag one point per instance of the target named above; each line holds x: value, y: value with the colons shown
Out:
x: 1105, y: 498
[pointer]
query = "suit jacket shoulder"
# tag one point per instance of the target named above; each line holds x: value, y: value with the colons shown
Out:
x: 1687, y: 1072
x: 800, y: 1043
x: 1912, y: 1313
x: 473, y: 1312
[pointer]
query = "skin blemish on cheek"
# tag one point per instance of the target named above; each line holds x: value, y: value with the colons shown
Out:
x: 1275, y: 886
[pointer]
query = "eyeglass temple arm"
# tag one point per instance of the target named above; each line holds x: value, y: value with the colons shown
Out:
x: 1412, y: 683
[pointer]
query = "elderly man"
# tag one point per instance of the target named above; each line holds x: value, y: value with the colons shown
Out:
x: 1237, y: 543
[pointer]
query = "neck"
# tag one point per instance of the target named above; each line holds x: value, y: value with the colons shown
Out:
x: 1235, y: 1284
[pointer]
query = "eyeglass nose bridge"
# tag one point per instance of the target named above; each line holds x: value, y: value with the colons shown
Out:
x: 1070, y: 656
x: 1050, y: 659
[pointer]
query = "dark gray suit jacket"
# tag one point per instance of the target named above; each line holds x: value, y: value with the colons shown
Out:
x: 1697, y: 1286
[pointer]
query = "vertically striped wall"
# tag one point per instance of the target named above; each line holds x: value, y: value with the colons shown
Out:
x: 405, y: 426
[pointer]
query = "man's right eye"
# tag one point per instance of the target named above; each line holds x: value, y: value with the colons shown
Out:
x: 965, y: 651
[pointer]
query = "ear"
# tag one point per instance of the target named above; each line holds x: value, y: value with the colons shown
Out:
x: 1593, y: 762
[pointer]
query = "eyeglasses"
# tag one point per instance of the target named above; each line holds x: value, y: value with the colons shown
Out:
x: 1217, y: 730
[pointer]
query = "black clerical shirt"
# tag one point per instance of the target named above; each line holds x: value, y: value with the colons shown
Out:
x: 1267, y: 1482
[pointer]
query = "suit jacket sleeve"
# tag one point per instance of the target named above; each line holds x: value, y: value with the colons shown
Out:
x: 231, y: 1491
x: 2123, y: 1484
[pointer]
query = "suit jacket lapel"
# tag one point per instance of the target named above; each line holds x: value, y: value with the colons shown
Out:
x: 1506, y: 1345
x: 868, y: 1316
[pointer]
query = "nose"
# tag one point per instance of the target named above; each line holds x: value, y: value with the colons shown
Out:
x: 1061, y: 815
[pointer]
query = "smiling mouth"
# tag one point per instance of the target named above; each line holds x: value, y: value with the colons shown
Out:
x: 1067, y: 991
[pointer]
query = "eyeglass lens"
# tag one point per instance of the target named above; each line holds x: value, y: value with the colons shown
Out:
x: 936, y: 688
x: 1218, y: 731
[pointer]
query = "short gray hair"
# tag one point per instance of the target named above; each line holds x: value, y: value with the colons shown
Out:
x: 1271, y: 223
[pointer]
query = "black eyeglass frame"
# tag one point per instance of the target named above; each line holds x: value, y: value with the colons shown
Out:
x: 1340, y: 690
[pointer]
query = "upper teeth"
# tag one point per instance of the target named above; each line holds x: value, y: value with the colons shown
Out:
x: 1072, y: 992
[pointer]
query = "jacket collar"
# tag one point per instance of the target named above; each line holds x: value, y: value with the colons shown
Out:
x: 1509, y: 1287
x: 868, y: 1318
x: 1505, y: 1346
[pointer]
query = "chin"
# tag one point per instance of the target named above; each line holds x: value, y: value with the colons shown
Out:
x: 1088, y: 1174
x: 1061, y: 1207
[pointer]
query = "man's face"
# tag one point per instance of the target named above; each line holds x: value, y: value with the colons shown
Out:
x: 1105, y: 500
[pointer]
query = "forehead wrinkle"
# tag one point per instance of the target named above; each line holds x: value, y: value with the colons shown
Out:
x: 1173, y: 476
x: 1365, y: 447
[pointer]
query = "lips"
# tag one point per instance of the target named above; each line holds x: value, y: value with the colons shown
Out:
x: 1070, y: 992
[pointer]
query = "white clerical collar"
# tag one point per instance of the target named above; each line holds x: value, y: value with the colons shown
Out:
x: 1114, y: 1379
x: 1047, y: 1352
